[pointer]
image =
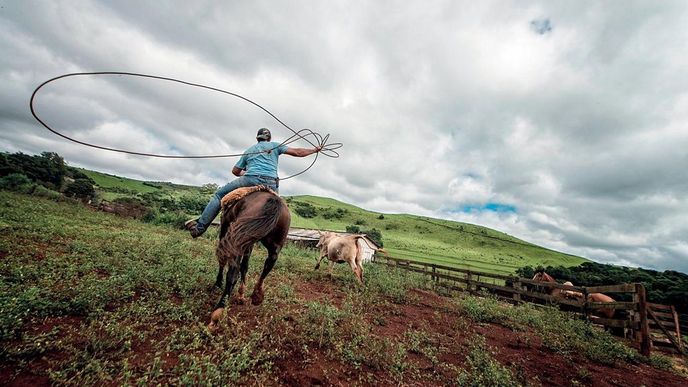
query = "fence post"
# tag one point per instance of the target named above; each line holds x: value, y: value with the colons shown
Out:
x: 468, y: 282
x: 586, y: 310
x: 678, y: 328
x: 434, y: 272
x: 517, y: 286
x: 645, y: 343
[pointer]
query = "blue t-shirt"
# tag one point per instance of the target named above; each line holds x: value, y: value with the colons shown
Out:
x: 263, y: 163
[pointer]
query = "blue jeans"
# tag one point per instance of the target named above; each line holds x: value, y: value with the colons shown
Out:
x: 213, y: 207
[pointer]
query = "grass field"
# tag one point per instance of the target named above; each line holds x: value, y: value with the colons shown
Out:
x: 405, y: 236
x: 437, y: 241
x: 111, y: 186
x: 88, y: 298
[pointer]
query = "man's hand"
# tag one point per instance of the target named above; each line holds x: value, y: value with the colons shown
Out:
x: 236, y: 171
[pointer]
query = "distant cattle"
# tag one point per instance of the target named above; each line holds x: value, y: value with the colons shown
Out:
x: 562, y: 293
x: 342, y: 248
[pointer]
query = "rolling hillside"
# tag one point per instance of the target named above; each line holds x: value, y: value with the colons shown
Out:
x: 435, y: 240
x: 404, y: 236
x: 89, y: 298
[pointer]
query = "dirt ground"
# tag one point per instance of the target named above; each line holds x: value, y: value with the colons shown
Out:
x: 433, y: 313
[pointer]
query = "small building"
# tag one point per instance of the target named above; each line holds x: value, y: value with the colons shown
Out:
x: 310, y: 238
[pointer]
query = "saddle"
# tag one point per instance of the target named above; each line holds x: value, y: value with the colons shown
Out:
x: 239, y: 193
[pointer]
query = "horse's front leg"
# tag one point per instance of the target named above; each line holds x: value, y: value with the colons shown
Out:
x: 232, y: 275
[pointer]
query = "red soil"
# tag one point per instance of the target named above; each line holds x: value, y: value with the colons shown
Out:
x: 435, y: 315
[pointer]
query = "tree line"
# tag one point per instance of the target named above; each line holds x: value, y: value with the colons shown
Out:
x: 46, y: 174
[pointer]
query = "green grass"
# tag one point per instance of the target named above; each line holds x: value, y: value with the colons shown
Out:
x: 111, y: 187
x: 438, y: 241
x: 90, y: 298
x: 106, y: 181
x: 558, y: 331
x: 125, y: 295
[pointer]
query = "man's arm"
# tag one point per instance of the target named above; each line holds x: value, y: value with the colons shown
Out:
x: 302, y: 152
x: 236, y: 171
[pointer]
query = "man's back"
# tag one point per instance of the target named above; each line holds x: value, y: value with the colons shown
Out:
x: 261, y: 159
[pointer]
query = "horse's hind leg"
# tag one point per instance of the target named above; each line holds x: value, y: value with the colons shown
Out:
x: 218, y: 279
x: 273, y: 253
x: 240, y: 299
x: 232, y: 276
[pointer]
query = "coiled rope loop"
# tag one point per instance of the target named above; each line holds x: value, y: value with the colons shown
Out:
x: 327, y: 149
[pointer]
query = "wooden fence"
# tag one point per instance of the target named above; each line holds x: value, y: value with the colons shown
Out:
x: 665, y: 324
x: 683, y: 325
x: 633, y: 317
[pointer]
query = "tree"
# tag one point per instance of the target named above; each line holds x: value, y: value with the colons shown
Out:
x: 375, y: 235
x: 209, y: 187
x: 55, y: 168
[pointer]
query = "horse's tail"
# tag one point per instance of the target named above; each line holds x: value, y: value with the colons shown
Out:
x: 245, y: 231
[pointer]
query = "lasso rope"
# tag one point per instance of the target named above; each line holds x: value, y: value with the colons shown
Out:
x: 328, y: 149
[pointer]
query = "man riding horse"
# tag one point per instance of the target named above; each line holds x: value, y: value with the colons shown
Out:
x: 257, y: 166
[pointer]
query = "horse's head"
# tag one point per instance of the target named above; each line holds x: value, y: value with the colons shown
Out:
x: 543, y: 277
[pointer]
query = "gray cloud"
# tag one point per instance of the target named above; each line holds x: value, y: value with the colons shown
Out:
x: 578, y: 121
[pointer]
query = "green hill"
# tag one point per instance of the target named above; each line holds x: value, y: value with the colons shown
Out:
x: 405, y: 236
x: 432, y: 240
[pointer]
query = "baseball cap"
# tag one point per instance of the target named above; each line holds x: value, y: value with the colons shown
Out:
x: 263, y: 134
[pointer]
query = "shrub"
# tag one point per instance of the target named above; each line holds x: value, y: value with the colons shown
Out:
x: 81, y: 189
x: 353, y: 229
x: 149, y: 184
x: 17, y: 182
x: 484, y: 369
x: 381, y: 217
x: 360, y: 222
x: 305, y: 210
x: 331, y: 213
x: 375, y: 235
x: 43, y: 192
x: 172, y: 218
x: 192, y: 204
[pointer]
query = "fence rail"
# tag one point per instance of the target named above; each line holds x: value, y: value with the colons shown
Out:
x: 646, y: 322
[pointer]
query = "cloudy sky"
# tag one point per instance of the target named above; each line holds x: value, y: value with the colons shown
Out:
x: 561, y: 123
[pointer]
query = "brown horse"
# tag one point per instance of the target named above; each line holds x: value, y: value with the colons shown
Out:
x: 561, y: 293
x: 249, y: 215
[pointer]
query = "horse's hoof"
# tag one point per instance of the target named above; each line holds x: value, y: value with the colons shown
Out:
x: 239, y: 301
x: 257, y: 298
x: 216, y: 316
